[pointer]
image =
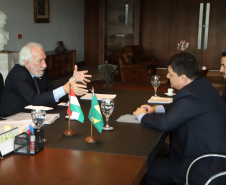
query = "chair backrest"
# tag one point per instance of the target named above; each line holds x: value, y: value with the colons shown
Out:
x: 127, y: 60
x: 135, y: 51
x: 206, y: 156
x: 1, y: 84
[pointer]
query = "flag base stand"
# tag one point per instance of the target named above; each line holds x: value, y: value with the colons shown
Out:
x: 69, y: 132
x: 91, y: 139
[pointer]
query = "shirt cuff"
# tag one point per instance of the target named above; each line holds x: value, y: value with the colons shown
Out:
x: 58, y: 93
x: 160, y: 109
x: 140, y: 116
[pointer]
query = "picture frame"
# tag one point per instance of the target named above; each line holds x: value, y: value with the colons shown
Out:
x: 41, y: 11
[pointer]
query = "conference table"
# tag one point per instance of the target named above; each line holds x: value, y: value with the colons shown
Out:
x: 120, y: 156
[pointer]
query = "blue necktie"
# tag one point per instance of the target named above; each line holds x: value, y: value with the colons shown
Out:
x: 36, y: 84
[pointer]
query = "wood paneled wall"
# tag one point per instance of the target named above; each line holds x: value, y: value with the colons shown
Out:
x: 94, y: 31
x: 162, y: 24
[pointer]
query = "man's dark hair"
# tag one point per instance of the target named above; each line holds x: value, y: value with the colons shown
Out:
x: 224, y: 54
x: 185, y: 63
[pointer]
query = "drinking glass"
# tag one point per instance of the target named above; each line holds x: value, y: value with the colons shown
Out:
x: 107, y: 107
x: 38, y: 118
x: 155, y: 81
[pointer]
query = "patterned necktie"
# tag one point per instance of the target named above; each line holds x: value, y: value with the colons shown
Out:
x: 36, y: 84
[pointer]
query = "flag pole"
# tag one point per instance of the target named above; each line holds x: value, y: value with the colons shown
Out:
x: 91, y: 126
x: 91, y: 139
x: 69, y: 132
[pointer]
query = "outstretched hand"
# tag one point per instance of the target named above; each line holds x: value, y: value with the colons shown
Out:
x: 79, y: 89
x: 81, y: 76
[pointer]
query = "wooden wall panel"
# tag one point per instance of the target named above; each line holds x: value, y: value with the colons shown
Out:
x: 216, y: 37
x: 91, y: 40
x: 165, y: 22
x: 162, y: 24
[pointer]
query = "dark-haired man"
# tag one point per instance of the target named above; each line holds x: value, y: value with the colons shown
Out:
x: 197, y: 121
x: 223, y: 71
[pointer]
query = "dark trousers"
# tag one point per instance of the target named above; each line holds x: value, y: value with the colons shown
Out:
x: 158, y: 173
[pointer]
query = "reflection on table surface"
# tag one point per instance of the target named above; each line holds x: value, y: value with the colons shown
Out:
x: 59, y: 166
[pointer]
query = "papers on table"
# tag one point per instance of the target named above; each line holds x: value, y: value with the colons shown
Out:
x: 50, y: 118
x: 22, y: 125
x: 38, y: 107
x: 128, y: 118
x: 158, y: 99
x: 64, y: 104
x: 88, y: 96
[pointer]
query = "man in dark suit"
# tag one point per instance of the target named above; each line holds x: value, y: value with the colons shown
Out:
x: 26, y: 84
x: 196, y: 121
x: 223, y: 71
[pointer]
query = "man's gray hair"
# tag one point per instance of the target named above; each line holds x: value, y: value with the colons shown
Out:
x: 26, y: 52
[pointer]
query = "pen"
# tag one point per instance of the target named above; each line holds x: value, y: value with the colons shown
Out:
x: 31, y: 129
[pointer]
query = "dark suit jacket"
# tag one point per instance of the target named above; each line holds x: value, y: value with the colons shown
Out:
x: 20, y: 91
x: 197, y: 121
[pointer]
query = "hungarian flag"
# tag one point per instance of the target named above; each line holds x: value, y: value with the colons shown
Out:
x: 95, y: 113
x: 76, y: 111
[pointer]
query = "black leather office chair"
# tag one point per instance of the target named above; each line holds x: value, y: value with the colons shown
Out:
x: 214, y: 176
x: 1, y: 84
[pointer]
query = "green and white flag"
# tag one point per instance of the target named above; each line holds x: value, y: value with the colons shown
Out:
x: 95, y: 113
x: 75, y: 109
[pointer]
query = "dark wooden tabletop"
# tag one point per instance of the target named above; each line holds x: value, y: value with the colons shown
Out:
x: 65, y: 167
x: 126, y: 138
x: 120, y: 156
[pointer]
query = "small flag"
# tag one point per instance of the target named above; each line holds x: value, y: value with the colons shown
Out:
x: 76, y: 111
x: 95, y: 112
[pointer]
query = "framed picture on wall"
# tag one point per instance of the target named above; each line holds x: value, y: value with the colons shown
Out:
x: 41, y: 11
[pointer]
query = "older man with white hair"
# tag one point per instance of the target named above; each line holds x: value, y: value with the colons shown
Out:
x: 26, y: 84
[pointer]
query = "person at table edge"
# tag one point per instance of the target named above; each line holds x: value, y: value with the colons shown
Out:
x: 223, y: 71
x: 196, y: 121
x: 20, y: 89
